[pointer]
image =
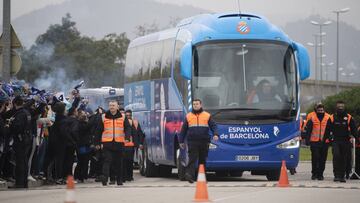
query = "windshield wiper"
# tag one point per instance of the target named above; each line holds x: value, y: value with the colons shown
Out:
x: 276, y: 116
x: 231, y: 109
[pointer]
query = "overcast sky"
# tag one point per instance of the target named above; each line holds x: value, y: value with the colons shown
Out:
x: 282, y: 11
x: 278, y: 11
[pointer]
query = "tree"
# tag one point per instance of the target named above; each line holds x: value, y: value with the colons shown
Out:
x: 60, y: 34
x: 351, y: 99
x: 145, y: 29
x: 63, y: 48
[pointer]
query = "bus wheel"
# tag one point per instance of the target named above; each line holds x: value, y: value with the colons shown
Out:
x: 292, y: 171
x: 150, y: 169
x: 165, y: 171
x: 141, y: 161
x: 180, y: 167
x: 236, y: 173
x: 221, y: 173
x: 273, y: 175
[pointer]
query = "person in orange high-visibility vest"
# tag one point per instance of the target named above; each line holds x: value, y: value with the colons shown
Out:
x: 340, y: 127
x: 195, y: 129
x: 114, y: 132
x: 315, y: 130
x: 130, y: 147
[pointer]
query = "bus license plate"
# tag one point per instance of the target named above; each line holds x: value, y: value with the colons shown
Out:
x: 247, y: 158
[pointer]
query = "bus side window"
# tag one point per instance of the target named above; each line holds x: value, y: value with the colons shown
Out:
x: 139, y: 53
x: 181, y: 83
x: 168, y: 48
x: 146, y: 63
x: 155, y: 60
x: 130, y: 65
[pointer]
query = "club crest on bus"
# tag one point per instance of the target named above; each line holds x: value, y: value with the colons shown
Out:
x: 276, y: 130
x: 243, y: 28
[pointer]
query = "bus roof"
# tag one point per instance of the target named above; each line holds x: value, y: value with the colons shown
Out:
x: 103, y: 92
x: 220, y: 26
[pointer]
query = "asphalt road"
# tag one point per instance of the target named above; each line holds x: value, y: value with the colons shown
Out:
x: 244, y: 189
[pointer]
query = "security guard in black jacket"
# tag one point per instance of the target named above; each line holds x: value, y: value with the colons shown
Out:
x: 20, y: 129
x: 196, y: 130
x: 339, y: 128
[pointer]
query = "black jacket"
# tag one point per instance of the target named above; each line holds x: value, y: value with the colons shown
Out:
x: 20, y: 126
x: 340, y: 129
x: 72, y: 132
x: 100, y: 129
x: 85, y: 138
x: 2, y: 131
x: 35, y: 113
x: 63, y: 132
x: 137, y: 134
x: 94, y: 120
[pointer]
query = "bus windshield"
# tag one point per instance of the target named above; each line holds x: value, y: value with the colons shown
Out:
x: 256, y: 76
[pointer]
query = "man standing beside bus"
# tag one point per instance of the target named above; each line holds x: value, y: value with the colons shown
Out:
x: 114, y: 131
x: 315, y: 130
x: 196, y: 130
x: 340, y: 126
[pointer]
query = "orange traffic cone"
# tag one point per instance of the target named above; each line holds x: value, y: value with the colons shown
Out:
x: 284, y: 180
x: 70, y: 193
x: 201, y: 194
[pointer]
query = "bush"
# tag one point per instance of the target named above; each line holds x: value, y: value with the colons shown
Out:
x: 351, y: 99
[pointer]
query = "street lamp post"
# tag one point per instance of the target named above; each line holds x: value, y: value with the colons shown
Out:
x: 6, y: 49
x: 327, y: 66
x: 321, y: 38
x: 316, y: 57
x: 316, y: 45
x: 337, y: 12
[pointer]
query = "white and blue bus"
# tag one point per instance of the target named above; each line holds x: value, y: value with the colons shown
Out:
x: 244, y: 69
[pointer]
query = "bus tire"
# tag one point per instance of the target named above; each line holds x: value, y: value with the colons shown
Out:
x: 292, y: 171
x: 141, y: 159
x: 150, y: 169
x: 165, y: 171
x: 180, y: 167
x: 236, y: 173
x: 273, y: 175
x: 222, y: 173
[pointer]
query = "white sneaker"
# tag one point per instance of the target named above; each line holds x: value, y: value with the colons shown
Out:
x: 2, y: 181
x: 30, y: 178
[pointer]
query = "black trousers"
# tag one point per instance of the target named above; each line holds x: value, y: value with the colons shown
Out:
x: 348, y: 161
x: 59, y: 161
x: 50, y: 160
x: 82, y: 167
x: 5, y: 165
x: 128, y: 163
x: 340, y: 155
x: 357, y: 160
x: 319, y: 153
x: 198, y: 152
x: 69, y: 161
x: 96, y: 160
x: 113, y: 157
x: 21, y: 167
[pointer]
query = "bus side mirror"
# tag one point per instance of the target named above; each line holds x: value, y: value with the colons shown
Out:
x: 186, y: 62
x: 303, y: 60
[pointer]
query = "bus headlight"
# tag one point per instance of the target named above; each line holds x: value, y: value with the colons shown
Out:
x: 212, y: 146
x: 290, y: 144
